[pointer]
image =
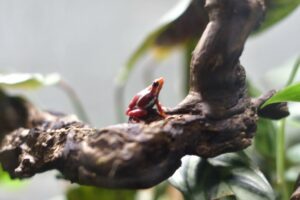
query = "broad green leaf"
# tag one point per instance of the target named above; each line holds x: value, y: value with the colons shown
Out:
x: 93, y: 193
x: 229, y: 176
x: 276, y: 11
x: 27, y: 80
x: 290, y: 93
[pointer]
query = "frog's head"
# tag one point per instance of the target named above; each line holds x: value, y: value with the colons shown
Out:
x: 157, y: 85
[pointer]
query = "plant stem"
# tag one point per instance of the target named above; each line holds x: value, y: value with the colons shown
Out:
x: 280, y: 151
x: 294, y: 72
x: 280, y: 160
x: 119, y: 102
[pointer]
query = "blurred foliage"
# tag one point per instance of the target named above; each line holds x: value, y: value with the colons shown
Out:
x: 265, y: 142
x: 184, y: 23
x: 93, y: 193
x: 6, y: 181
x: 27, y: 80
x: 293, y: 154
x: 162, y: 191
x: 229, y: 176
x: 176, y: 28
x: 276, y: 11
x: 31, y: 81
x: 181, y: 28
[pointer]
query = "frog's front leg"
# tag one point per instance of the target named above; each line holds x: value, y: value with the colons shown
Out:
x: 160, y: 109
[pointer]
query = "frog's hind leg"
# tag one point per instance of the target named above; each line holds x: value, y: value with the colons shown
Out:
x: 137, y: 113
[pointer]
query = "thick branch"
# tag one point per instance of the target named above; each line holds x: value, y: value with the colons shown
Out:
x: 216, y: 117
x: 124, y: 155
x: 217, y: 79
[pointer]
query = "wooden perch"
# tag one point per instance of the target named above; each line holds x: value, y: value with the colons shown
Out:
x: 216, y: 117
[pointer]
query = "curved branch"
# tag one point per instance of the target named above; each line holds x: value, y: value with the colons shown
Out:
x: 124, y: 155
x: 216, y: 117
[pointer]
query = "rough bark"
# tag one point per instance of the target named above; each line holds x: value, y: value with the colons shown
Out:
x: 216, y: 117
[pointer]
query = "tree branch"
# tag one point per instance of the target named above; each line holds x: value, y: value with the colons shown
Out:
x: 216, y: 117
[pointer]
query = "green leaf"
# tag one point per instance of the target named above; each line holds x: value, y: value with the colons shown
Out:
x: 276, y: 11
x: 290, y: 93
x: 27, y: 80
x: 93, y: 193
x: 229, y: 176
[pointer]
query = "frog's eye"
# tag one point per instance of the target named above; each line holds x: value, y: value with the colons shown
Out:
x: 155, y: 84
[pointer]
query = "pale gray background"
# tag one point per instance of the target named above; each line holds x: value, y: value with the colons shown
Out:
x: 87, y: 41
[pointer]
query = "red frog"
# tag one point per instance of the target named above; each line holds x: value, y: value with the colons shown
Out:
x: 143, y: 101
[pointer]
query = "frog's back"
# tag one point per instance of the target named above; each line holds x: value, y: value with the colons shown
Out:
x: 146, y: 100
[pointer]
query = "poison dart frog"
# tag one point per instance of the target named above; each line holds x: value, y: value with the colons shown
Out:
x: 144, y: 101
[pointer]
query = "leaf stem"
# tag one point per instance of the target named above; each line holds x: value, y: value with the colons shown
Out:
x: 75, y: 100
x: 294, y: 72
x: 280, y: 151
x: 119, y: 102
